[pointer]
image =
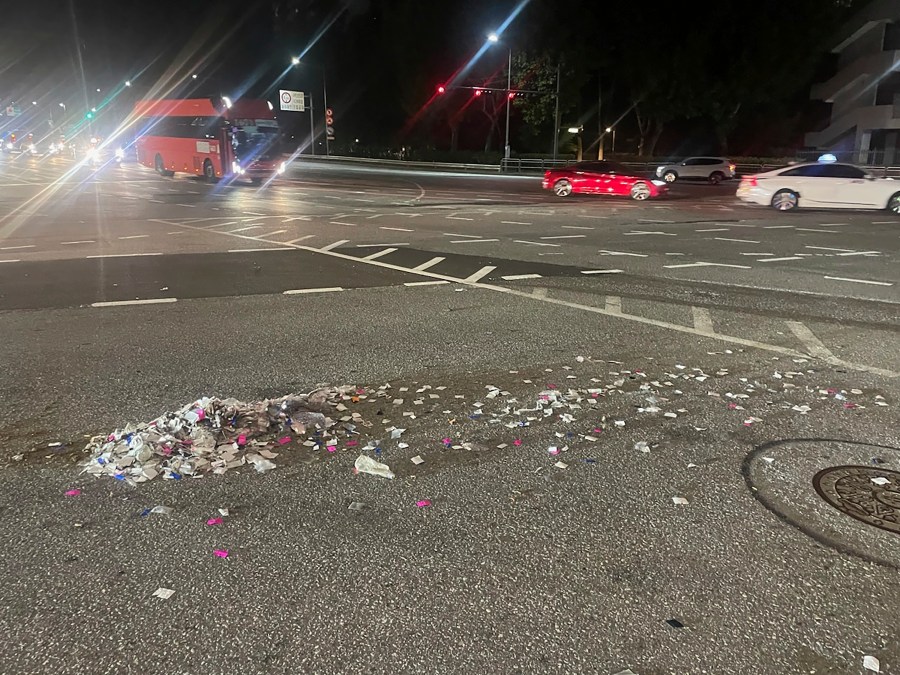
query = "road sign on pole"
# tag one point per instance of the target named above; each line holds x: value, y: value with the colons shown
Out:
x: 294, y: 101
x: 329, y: 124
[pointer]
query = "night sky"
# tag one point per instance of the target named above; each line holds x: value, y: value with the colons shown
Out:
x: 700, y: 72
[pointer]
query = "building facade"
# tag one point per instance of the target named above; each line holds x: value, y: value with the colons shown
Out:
x: 864, y: 92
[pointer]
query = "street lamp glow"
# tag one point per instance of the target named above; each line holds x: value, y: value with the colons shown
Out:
x: 98, y: 90
x: 194, y: 76
x: 93, y: 110
x: 127, y: 83
x: 609, y: 130
x: 493, y: 37
x: 574, y: 130
x: 34, y: 103
x: 295, y: 61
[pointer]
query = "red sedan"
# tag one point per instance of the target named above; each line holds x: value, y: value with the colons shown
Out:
x: 602, y: 178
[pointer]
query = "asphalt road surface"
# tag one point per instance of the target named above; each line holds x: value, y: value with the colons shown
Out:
x: 749, y: 350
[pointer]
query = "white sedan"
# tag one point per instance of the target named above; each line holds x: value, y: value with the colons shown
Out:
x: 830, y: 185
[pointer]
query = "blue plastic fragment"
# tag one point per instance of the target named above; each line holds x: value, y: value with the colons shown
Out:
x: 377, y: 449
x: 176, y: 476
x: 119, y: 476
x: 590, y: 460
x: 145, y: 512
x: 101, y: 461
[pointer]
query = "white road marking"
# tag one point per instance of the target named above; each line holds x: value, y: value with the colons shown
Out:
x: 812, y: 343
x: 597, y: 217
x: 778, y: 227
x: 480, y: 274
x: 601, y: 271
x: 465, y: 236
x: 181, y: 232
x: 426, y: 283
x: 135, y: 236
x: 707, y: 264
x: 340, y: 222
x: 188, y: 206
x: 9, y: 261
x: 642, y: 232
x: 12, y: 248
x: 762, y: 254
x: 576, y: 227
x: 121, y: 303
x: 566, y: 236
x: 378, y: 254
x: 791, y: 257
x: 271, y: 234
x: 302, y: 291
x: 740, y: 241
x: 884, y: 222
x: 293, y: 218
x: 303, y: 238
x: 333, y: 245
x: 535, y: 243
x: 457, y: 218
x: 825, y: 248
x: 702, y: 319
x: 812, y: 229
x: 861, y: 281
x: 513, y: 222
x: 256, y: 250
x: 714, y: 229
x: 251, y: 213
x: 832, y: 224
x: 121, y: 255
x: 471, y: 241
x: 83, y: 241
x: 645, y: 220
x: 613, y: 304
x: 401, y: 243
x: 633, y: 255
x: 249, y: 227
x: 865, y: 253
x: 396, y: 229
x: 431, y: 263
x: 517, y: 277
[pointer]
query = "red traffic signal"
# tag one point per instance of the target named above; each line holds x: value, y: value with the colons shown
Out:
x: 511, y: 95
x: 478, y: 92
x: 442, y: 89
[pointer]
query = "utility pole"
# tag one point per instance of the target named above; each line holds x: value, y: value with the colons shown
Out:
x: 556, y: 117
x: 508, y: 101
x: 600, y: 116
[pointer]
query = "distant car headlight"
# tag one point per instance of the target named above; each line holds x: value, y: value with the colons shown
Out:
x: 282, y: 167
x: 120, y: 153
x: 32, y: 149
x: 659, y: 183
x: 659, y: 170
x: 9, y: 146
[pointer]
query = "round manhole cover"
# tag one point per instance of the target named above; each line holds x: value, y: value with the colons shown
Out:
x: 870, y: 495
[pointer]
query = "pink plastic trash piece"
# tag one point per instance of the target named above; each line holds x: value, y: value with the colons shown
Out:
x: 422, y: 503
x: 518, y: 441
x: 284, y: 439
x: 220, y: 553
x: 447, y: 441
x: 201, y: 413
x: 361, y: 390
x: 351, y: 444
x: 73, y: 493
x: 551, y: 386
x: 214, y: 521
x: 595, y: 395
x: 331, y: 448
x: 732, y: 406
x: 554, y: 452
x: 598, y: 430
x: 242, y: 439
x: 849, y: 406
x: 545, y: 397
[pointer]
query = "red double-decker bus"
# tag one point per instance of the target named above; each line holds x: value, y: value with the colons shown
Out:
x: 209, y: 137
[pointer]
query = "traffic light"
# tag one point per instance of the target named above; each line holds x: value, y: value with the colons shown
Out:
x: 442, y: 89
x: 89, y: 115
x: 478, y: 92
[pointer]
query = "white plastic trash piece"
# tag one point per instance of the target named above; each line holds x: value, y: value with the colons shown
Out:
x: 561, y: 465
x: 368, y: 465
x: 881, y: 480
x: 680, y: 501
x: 163, y: 593
x: 643, y: 446
x: 871, y: 663
x: 260, y: 463
x: 417, y: 460
x: 162, y: 510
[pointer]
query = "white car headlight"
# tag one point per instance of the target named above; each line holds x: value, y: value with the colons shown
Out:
x: 120, y: 153
x: 659, y: 170
x: 32, y: 148
x: 659, y: 183
x: 9, y: 146
x: 282, y: 167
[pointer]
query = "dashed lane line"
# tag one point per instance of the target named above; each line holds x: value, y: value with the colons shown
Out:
x: 812, y: 229
x: 542, y: 295
x: 379, y: 254
x: 632, y: 255
x: 430, y: 263
x: 702, y: 319
x: 480, y: 274
x: 303, y: 238
x: 519, y: 277
x: 122, y: 255
x: 135, y: 236
x: 740, y: 241
x: 565, y: 236
x: 13, y: 248
x: 601, y: 271
x: 396, y: 229
x: 810, y: 341
x: 341, y: 222
x: 83, y: 241
x: 513, y: 222
x: 304, y: 291
x: 439, y: 282
x: 125, y: 303
x: 400, y: 243
x: 861, y: 281
x: 471, y: 241
x: 576, y: 227
x: 790, y: 257
x: 827, y: 248
x: 535, y: 243
x: 333, y: 245
x: 714, y: 229
x: 9, y: 261
x: 464, y: 236
x: 255, y: 250
x: 637, y: 233
x: 707, y: 264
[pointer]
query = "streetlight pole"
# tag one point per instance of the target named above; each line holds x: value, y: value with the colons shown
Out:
x: 508, y: 101
x: 556, y: 118
x: 325, y: 104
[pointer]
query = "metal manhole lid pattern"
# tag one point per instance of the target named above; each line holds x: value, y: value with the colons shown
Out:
x: 850, y: 490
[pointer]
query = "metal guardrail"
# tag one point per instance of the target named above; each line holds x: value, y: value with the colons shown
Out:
x: 404, y: 164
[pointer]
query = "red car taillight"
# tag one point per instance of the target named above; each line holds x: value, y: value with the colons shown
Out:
x: 751, y: 181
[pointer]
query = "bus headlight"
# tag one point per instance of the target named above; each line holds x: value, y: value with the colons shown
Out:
x: 282, y: 167
x: 120, y: 153
x: 236, y: 168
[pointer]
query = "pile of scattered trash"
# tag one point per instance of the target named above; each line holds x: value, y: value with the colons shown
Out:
x: 214, y: 435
